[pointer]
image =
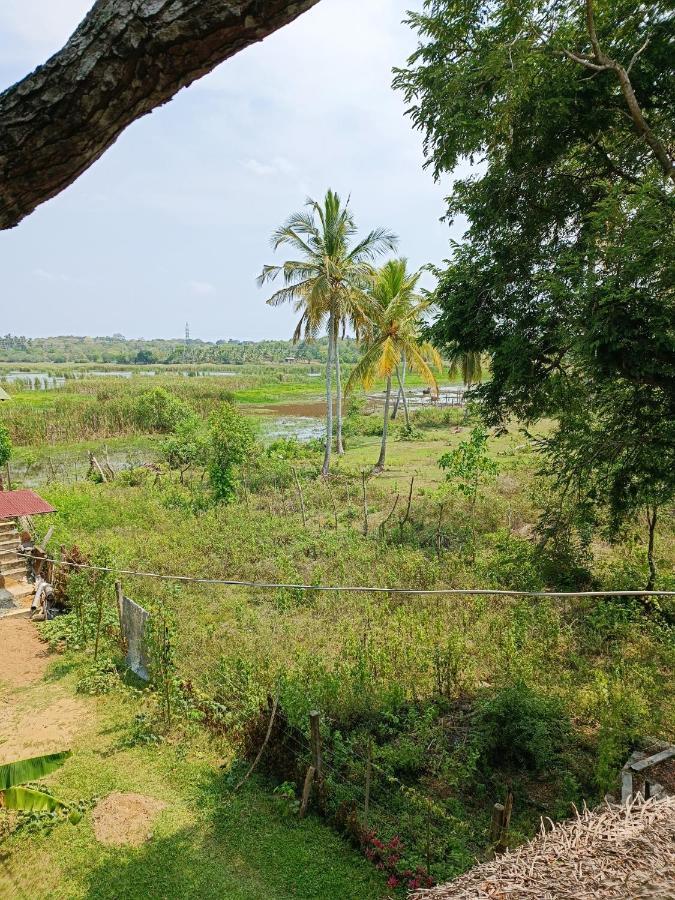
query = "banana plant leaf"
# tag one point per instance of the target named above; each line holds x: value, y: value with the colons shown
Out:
x: 24, y: 770
x: 29, y: 800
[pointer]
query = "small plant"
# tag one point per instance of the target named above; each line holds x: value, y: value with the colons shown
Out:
x: 286, y: 800
x: 100, y: 678
x: 386, y: 856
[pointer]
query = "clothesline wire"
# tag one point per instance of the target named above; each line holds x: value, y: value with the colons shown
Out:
x: 351, y: 589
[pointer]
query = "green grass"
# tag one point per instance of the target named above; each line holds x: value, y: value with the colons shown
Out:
x: 207, y: 843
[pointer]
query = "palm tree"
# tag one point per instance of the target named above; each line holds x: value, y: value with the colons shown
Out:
x: 326, y: 285
x: 468, y: 364
x: 391, y: 332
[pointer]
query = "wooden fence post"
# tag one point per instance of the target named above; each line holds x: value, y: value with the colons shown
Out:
x: 119, y: 594
x: 497, y: 822
x: 306, y: 791
x: 314, y: 723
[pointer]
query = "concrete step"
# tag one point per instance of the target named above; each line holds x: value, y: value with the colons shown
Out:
x: 21, y: 590
x: 10, y: 557
x: 7, y: 523
x: 9, y: 545
x: 21, y: 613
x: 13, y: 572
x: 9, y: 541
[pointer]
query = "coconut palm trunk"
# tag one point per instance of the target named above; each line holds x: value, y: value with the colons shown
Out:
x: 401, y: 393
x: 329, y: 398
x: 338, y: 390
x: 385, y: 428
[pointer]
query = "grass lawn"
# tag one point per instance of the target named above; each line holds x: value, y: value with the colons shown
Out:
x: 207, y: 843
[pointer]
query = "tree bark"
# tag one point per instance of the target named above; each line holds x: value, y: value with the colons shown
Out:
x: 329, y: 398
x: 125, y: 58
x: 651, y: 521
x: 338, y: 390
x: 401, y: 394
x: 385, y: 427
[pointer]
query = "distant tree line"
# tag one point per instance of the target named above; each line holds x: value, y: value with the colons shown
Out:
x: 120, y: 351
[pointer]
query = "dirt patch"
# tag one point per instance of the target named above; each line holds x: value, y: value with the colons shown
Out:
x: 24, y: 656
x: 125, y: 818
x: 312, y: 409
x: 49, y: 725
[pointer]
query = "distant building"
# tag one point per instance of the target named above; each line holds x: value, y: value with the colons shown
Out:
x: 289, y: 359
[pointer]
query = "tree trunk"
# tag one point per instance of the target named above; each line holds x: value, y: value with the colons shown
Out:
x: 385, y: 427
x: 329, y: 398
x: 651, y: 520
x: 338, y: 389
x: 401, y: 394
x: 124, y: 59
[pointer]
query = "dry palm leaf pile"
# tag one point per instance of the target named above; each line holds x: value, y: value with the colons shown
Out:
x: 613, y: 853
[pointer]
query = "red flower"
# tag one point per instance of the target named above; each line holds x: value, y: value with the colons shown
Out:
x: 392, y: 881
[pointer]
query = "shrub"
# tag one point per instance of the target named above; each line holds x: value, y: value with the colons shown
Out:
x: 231, y: 439
x: 5, y: 445
x: 158, y: 410
x: 520, y: 729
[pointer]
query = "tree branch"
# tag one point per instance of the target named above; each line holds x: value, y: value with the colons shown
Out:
x: 125, y: 58
x: 600, y: 62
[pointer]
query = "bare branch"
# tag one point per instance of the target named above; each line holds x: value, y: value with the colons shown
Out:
x: 636, y: 55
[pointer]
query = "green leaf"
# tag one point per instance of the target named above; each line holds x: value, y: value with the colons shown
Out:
x: 12, y: 774
x: 30, y: 800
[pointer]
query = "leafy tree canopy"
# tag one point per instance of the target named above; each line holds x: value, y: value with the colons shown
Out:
x: 565, y: 276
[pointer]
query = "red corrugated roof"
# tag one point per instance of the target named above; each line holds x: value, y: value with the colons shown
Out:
x: 22, y: 503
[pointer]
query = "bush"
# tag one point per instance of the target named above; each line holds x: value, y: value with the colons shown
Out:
x: 158, y: 410
x: 231, y: 439
x: 436, y: 416
x: 5, y: 445
x: 520, y: 729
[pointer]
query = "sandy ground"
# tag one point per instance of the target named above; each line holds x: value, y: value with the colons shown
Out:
x: 35, y: 717
x: 125, y: 818
x: 23, y: 656
x: 39, y: 717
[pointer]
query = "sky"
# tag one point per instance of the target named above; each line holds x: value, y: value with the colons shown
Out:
x: 172, y: 224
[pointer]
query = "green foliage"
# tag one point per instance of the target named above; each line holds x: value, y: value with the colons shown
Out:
x: 102, y: 677
x: 565, y: 278
x: 293, y: 449
x: 158, y: 410
x: 5, y: 445
x: 470, y: 465
x: 231, y: 439
x: 187, y: 446
x: 520, y: 729
x: 18, y: 773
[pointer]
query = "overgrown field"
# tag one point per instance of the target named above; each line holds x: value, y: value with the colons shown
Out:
x: 432, y: 707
